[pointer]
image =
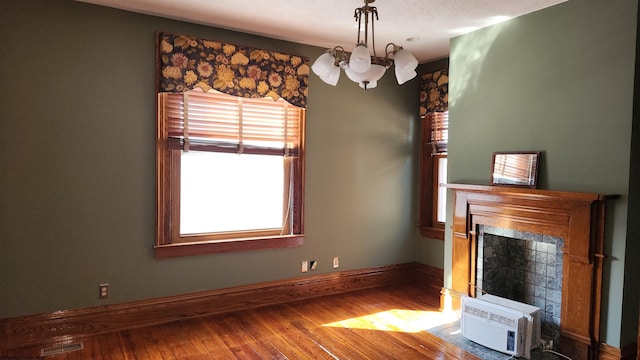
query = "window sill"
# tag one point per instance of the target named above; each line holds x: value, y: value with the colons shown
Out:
x: 222, y: 246
x: 431, y: 232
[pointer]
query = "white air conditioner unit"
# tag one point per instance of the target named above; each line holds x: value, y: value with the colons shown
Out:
x: 501, y: 324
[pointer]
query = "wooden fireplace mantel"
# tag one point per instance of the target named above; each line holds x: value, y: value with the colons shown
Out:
x: 577, y: 217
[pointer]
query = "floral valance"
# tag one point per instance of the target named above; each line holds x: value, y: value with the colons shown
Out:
x: 434, y: 92
x: 187, y: 62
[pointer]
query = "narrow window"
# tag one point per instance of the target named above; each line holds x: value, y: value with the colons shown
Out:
x: 433, y: 197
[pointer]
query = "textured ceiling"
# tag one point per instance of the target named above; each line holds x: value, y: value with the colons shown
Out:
x: 327, y: 23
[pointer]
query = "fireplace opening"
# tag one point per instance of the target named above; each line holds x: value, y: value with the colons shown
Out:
x: 524, y: 267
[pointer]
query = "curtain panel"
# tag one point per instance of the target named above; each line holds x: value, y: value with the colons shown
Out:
x: 434, y: 92
x: 186, y: 62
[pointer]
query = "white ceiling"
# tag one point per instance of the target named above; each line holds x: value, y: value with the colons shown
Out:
x: 327, y: 23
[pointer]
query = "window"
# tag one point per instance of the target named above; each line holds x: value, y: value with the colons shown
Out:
x: 230, y: 173
x: 433, y: 197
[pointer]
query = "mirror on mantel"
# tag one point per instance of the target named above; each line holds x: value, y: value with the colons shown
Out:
x: 515, y: 168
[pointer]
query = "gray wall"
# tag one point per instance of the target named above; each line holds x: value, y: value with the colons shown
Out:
x: 77, y: 165
x: 561, y: 81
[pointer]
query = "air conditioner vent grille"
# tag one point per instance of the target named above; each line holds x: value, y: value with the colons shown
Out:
x: 491, y: 316
x: 472, y: 310
x: 509, y: 321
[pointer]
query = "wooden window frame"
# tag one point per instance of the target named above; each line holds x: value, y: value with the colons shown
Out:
x: 169, y: 241
x: 428, y: 200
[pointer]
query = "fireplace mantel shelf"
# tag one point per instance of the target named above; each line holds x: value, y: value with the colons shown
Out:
x: 577, y: 217
x: 526, y: 191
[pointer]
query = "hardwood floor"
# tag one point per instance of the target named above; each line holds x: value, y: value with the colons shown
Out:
x: 382, y: 323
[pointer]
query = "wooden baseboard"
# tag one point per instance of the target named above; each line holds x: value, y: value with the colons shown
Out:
x: 608, y: 352
x: 430, y: 277
x: 71, y: 325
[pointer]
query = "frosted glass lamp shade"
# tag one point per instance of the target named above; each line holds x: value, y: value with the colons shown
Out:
x: 323, y: 64
x: 332, y: 77
x: 405, y: 66
x: 374, y: 74
x: 405, y: 61
x: 403, y: 77
x: 360, y: 60
x: 326, y: 68
x: 370, y: 77
x: 354, y: 75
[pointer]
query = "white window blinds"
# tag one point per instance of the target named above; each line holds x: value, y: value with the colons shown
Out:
x: 438, y: 125
x: 219, y: 122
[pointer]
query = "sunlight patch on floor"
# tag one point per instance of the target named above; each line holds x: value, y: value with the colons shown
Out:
x: 410, y: 321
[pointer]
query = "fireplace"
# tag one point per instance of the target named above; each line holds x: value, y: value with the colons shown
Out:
x: 525, y: 267
x: 577, y: 219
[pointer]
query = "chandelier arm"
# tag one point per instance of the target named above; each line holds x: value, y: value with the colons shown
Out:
x: 393, y: 51
x: 339, y: 55
x: 388, y: 61
x: 387, y: 52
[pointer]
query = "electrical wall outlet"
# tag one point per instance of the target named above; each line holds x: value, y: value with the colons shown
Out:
x: 313, y: 264
x: 305, y: 266
x: 103, y: 291
x: 336, y: 262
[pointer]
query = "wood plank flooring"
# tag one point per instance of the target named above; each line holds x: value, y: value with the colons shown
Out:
x: 382, y: 323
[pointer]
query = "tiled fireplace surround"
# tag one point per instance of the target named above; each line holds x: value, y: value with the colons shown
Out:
x: 524, y: 267
x: 576, y: 221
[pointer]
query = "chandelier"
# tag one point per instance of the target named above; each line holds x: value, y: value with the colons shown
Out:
x: 361, y: 67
